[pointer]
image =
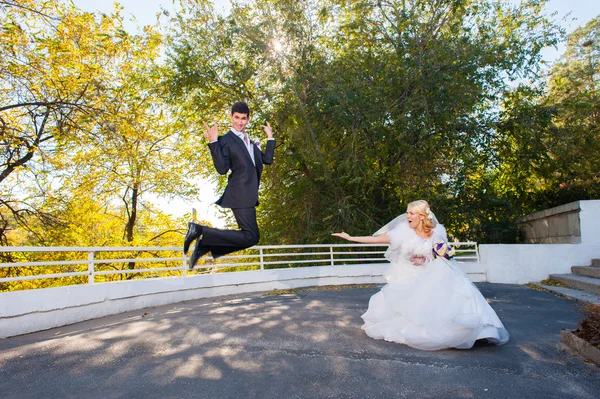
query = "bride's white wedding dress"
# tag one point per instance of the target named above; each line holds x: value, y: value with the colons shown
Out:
x: 429, y: 307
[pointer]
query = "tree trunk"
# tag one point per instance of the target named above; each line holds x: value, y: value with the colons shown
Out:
x: 132, y: 213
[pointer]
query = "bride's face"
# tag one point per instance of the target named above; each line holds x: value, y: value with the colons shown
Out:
x: 413, y: 218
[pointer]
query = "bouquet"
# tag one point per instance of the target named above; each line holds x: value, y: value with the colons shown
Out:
x: 442, y: 249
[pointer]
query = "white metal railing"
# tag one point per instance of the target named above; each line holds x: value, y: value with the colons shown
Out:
x: 27, y: 261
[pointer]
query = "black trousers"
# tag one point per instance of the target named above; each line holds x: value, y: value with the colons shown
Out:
x: 221, y: 242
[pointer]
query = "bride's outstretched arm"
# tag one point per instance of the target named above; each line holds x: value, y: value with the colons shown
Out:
x: 381, y: 239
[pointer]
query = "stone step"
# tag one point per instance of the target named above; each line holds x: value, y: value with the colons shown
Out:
x: 596, y: 262
x: 578, y: 295
x: 584, y: 283
x: 589, y: 271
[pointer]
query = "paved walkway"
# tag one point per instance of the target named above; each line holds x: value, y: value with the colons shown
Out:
x: 300, y: 345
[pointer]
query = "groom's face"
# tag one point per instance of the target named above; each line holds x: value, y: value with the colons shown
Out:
x: 239, y: 121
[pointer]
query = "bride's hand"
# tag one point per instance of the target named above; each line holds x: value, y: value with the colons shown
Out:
x: 417, y: 260
x: 343, y: 235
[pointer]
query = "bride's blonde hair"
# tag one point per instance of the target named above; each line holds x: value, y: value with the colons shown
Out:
x: 421, y: 207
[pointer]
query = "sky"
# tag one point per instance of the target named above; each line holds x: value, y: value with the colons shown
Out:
x: 570, y: 14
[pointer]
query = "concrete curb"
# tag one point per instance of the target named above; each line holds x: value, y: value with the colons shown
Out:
x: 579, y: 346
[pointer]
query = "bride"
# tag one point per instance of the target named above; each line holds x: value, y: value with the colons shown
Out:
x: 427, y: 303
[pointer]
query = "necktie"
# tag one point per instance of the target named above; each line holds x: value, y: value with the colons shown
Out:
x: 250, y: 150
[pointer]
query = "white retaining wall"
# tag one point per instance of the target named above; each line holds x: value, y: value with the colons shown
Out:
x: 589, y: 217
x: 519, y: 264
x: 27, y: 311
x: 526, y: 263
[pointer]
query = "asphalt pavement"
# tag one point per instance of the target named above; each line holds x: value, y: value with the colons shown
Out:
x: 300, y: 344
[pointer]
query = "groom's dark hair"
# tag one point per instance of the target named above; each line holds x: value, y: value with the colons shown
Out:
x: 241, y: 108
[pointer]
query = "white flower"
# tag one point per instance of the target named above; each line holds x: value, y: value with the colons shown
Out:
x: 443, y: 249
x: 428, y: 212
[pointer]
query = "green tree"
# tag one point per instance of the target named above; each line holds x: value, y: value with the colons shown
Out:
x: 374, y: 103
x: 83, y: 118
x: 132, y: 150
x: 546, y: 149
x: 574, y: 92
x: 54, y: 59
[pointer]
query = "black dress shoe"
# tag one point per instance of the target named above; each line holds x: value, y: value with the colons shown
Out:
x: 199, y: 251
x: 194, y: 231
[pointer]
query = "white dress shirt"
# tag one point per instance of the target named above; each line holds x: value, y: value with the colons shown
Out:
x: 248, y: 146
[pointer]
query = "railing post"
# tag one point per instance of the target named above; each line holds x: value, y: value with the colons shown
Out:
x: 184, y: 268
x: 477, y: 251
x: 262, y: 264
x: 91, y: 267
x: 331, y: 256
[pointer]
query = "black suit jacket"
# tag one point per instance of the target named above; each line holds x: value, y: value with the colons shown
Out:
x: 229, y: 154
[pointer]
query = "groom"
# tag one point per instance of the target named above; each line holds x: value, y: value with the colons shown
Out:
x: 233, y: 152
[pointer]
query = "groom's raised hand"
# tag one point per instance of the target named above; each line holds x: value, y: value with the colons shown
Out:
x: 268, y: 130
x: 212, y: 132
